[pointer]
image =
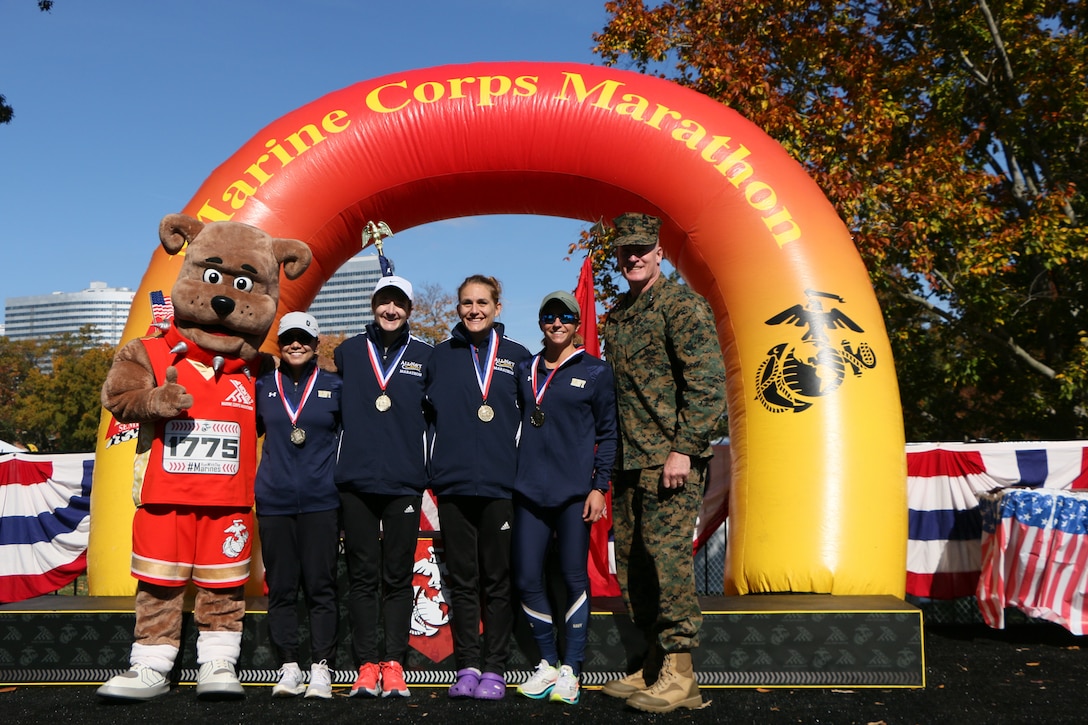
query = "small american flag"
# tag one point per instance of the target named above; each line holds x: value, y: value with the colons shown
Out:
x: 161, y: 307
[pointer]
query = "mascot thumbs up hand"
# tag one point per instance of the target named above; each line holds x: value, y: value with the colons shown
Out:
x: 170, y: 399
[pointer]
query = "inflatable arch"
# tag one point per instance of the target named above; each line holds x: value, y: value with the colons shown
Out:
x: 818, y: 502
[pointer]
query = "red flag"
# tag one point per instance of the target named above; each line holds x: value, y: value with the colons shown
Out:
x: 587, y: 302
x: 602, y: 580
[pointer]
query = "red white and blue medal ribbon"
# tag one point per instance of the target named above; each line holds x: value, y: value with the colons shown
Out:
x: 483, y: 377
x: 298, y: 435
x: 537, y: 417
x: 383, y: 402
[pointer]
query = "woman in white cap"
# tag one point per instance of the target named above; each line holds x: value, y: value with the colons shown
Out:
x: 298, y: 411
x: 565, y: 458
x: 472, y: 392
x: 381, y: 477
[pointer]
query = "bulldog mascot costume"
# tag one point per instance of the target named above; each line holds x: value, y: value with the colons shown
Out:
x: 191, y: 391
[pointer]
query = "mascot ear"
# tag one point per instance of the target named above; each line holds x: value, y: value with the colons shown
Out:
x: 295, y: 256
x: 175, y: 230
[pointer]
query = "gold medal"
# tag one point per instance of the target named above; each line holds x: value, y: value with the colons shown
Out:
x: 486, y: 413
x: 537, y: 418
x: 383, y: 403
x: 298, y: 436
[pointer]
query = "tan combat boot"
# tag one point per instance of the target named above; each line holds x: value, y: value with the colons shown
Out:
x: 625, y: 687
x: 675, y: 687
x: 640, y: 680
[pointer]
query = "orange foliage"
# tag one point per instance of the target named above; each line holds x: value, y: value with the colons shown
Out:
x: 951, y: 137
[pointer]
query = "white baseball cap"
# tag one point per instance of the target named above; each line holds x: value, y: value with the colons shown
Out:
x: 393, y: 281
x: 298, y: 321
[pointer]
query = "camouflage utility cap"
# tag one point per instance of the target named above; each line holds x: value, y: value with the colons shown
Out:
x: 634, y: 228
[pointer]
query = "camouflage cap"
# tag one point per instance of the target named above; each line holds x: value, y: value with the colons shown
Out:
x: 636, y: 228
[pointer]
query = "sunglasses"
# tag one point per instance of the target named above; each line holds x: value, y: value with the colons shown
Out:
x: 293, y: 336
x: 624, y: 251
x: 566, y: 318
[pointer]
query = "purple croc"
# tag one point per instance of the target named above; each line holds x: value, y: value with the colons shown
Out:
x: 492, y: 687
x: 467, y: 680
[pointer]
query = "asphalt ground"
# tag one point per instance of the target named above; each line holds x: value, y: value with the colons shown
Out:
x: 1027, y: 673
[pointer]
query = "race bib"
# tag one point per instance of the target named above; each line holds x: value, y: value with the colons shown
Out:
x: 201, y: 446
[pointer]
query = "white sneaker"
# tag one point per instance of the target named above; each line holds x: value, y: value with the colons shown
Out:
x: 138, y: 683
x: 540, y: 683
x: 217, y: 680
x: 567, y: 688
x: 291, y: 681
x: 320, y: 681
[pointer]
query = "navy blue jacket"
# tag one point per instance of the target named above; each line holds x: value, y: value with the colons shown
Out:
x: 298, y: 479
x: 573, y: 452
x: 469, y: 457
x: 380, y: 452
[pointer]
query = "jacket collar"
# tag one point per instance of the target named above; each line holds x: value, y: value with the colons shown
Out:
x: 374, y: 334
x: 460, y: 334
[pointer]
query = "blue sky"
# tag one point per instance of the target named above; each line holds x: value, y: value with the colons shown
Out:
x: 124, y: 107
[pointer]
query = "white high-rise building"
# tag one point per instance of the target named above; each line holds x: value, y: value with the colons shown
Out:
x: 343, y: 304
x: 39, y: 316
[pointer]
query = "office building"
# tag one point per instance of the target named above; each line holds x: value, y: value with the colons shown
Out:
x: 38, y: 316
x: 342, y: 307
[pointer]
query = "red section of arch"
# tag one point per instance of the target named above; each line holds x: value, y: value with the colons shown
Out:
x: 575, y: 141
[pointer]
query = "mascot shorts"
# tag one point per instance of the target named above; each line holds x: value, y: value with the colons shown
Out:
x: 172, y: 545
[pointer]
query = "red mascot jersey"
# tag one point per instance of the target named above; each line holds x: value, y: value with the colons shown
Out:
x: 207, y: 456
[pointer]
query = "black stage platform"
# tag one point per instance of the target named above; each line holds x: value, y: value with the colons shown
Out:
x: 766, y: 640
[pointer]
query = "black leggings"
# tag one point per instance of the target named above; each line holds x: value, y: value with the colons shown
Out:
x: 380, y: 535
x: 302, y: 548
x: 476, y: 540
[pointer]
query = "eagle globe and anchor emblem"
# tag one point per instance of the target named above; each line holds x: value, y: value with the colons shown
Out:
x: 796, y: 373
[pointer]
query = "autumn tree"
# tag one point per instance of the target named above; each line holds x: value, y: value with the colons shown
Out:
x: 18, y: 361
x: 596, y: 243
x: 951, y: 137
x: 52, y: 399
x: 326, y: 346
x: 434, y: 312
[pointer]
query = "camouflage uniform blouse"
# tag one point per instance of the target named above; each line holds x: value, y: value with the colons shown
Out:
x: 670, y: 378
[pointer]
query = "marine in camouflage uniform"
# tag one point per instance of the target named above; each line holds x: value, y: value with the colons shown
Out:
x: 670, y: 382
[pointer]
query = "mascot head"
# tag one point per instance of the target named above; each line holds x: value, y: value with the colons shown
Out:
x: 228, y: 287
